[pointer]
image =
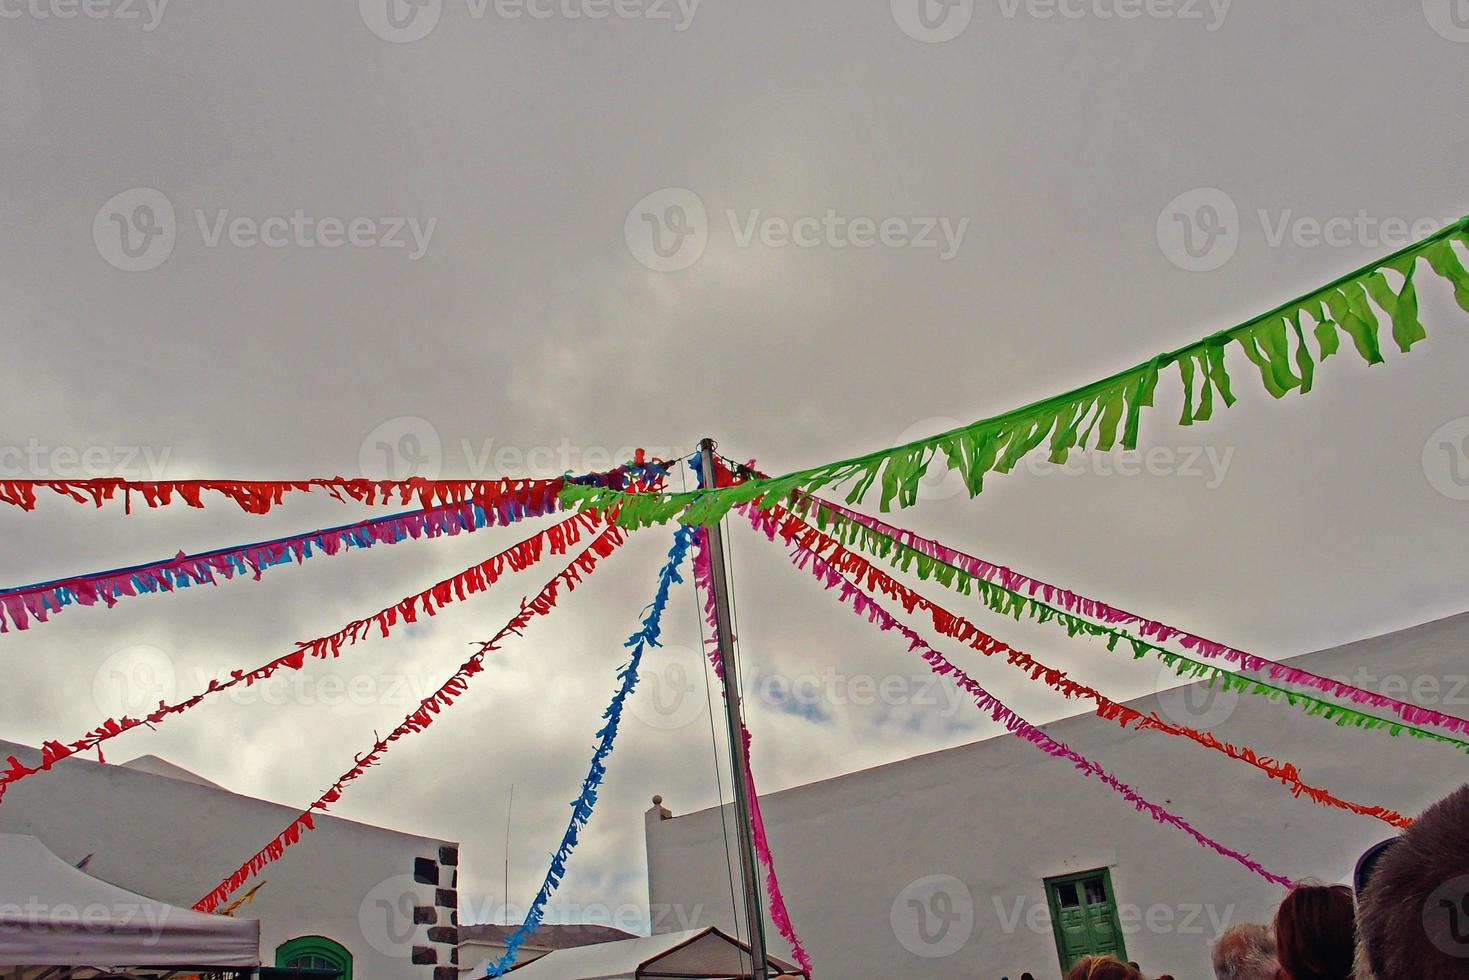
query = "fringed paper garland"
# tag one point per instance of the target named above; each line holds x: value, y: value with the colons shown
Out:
x: 259, y: 496
x: 864, y: 605
x: 1008, y: 592
x: 1228, y: 680
x: 416, y: 721
x: 780, y: 915
x: 39, y: 602
x: 807, y: 542
x: 1107, y: 413
x: 581, y: 809
x: 558, y: 538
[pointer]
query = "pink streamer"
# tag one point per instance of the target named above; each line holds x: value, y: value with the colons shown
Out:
x: 1150, y: 629
x: 779, y: 914
x: 864, y: 604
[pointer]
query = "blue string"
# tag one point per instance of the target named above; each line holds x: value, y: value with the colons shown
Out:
x: 581, y: 809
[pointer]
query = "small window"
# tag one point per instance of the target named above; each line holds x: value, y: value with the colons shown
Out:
x: 1067, y: 892
x: 1096, y: 894
x: 315, y: 953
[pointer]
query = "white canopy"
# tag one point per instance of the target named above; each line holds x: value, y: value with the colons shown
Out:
x: 52, y: 914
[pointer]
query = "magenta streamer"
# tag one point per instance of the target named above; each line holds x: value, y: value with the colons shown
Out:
x: 1150, y: 629
x: 779, y: 914
x: 865, y: 605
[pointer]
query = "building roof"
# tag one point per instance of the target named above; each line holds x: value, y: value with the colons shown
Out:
x: 166, y: 769
x: 706, y: 952
x: 141, y: 770
x: 548, y: 936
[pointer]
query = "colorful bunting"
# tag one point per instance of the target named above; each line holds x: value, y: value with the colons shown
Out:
x: 864, y: 605
x: 39, y: 602
x: 1008, y: 592
x: 807, y: 542
x: 582, y: 565
x: 581, y: 808
x: 561, y: 537
x: 850, y: 561
x: 1104, y: 413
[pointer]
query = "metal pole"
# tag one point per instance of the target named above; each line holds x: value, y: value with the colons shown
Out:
x: 749, y: 871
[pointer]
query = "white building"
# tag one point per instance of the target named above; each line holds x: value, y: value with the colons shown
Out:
x: 963, y: 863
x: 381, y: 903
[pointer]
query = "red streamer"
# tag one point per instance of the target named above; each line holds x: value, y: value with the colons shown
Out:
x: 476, y: 578
x: 809, y: 542
x: 416, y: 721
x: 259, y: 496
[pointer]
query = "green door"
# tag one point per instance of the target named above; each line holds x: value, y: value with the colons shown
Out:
x: 1084, y: 915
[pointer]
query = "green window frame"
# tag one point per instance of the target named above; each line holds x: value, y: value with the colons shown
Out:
x: 1084, y: 916
x: 333, y: 953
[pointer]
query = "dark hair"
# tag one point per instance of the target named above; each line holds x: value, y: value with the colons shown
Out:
x: 1416, y: 907
x: 1316, y: 932
x: 1102, y: 968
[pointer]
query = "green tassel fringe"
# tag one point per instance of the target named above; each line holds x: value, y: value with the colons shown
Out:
x: 1105, y: 413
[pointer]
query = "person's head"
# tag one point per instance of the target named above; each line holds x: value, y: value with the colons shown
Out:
x: 1415, y: 909
x: 1102, y: 968
x: 1245, y: 952
x: 1316, y: 932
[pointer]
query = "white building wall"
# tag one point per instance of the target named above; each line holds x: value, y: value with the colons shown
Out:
x: 995, y: 818
x: 174, y: 840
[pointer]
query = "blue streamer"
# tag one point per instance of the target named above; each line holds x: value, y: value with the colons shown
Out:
x: 581, y: 809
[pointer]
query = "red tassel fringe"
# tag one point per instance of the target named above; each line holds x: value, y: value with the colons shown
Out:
x: 416, y: 721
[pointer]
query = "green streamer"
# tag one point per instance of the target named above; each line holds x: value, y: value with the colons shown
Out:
x: 997, y: 444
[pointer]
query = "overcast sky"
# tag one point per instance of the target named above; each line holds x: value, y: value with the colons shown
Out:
x: 270, y: 239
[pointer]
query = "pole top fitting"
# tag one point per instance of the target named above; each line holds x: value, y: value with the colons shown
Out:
x: 707, y: 443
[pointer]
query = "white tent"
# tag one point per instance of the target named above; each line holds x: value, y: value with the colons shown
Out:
x: 52, y: 914
x: 704, y: 953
